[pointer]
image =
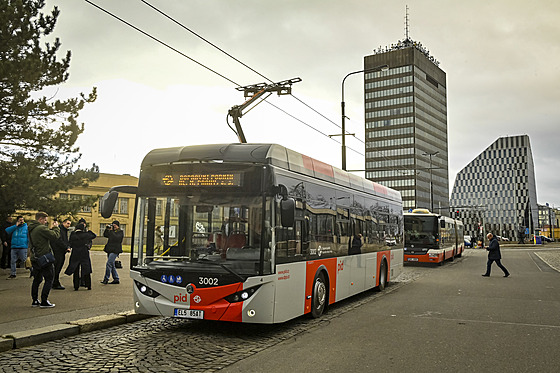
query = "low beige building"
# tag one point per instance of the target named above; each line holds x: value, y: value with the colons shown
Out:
x: 123, y: 212
x: 124, y: 208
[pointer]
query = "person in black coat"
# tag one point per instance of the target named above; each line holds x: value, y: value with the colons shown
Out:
x: 494, y: 255
x: 60, y: 248
x: 5, y: 241
x: 355, y: 245
x: 113, y: 248
x: 80, y: 242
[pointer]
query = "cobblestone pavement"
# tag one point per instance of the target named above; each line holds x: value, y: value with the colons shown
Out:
x: 173, y: 345
x: 552, y: 258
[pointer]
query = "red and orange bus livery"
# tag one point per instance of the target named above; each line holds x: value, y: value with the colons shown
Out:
x: 431, y: 238
x: 256, y: 233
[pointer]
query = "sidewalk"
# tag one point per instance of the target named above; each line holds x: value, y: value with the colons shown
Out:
x: 75, y: 311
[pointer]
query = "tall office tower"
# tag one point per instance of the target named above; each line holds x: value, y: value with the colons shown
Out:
x: 406, y: 125
x: 497, y: 190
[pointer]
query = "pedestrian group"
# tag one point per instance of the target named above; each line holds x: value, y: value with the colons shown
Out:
x: 43, y: 251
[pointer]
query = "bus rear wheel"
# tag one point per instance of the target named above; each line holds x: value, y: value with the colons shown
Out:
x: 382, y: 276
x: 319, y: 296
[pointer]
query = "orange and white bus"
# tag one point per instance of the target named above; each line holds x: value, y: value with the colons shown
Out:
x: 432, y: 238
x: 256, y: 233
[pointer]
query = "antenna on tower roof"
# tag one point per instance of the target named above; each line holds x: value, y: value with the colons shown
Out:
x: 406, y: 25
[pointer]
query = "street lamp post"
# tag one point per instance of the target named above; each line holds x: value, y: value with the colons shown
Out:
x: 342, y: 106
x: 431, y: 181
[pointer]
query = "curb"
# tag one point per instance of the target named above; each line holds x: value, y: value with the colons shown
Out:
x: 50, y: 333
x: 32, y: 337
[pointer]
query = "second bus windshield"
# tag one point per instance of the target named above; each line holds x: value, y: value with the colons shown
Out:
x: 420, y: 230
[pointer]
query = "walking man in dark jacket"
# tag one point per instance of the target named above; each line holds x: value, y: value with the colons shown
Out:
x: 61, y: 247
x: 494, y: 255
x: 41, y: 239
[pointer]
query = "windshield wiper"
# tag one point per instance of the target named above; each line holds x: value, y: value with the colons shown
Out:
x: 206, y: 260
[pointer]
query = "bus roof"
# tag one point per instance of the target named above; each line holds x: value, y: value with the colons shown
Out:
x: 272, y: 154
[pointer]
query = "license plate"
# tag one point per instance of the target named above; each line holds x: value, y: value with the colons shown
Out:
x: 189, y: 314
x: 412, y: 259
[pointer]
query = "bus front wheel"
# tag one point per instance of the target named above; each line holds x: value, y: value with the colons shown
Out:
x: 319, y: 296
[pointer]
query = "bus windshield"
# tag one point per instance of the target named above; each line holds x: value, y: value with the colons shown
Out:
x: 220, y: 230
x: 421, y: 230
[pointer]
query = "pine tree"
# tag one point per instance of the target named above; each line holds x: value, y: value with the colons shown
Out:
x: 38, y: 155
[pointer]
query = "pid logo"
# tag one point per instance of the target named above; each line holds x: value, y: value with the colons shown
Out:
x: 340, y: 266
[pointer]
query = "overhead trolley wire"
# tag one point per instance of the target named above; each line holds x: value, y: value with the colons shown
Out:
x: 204, y: 39
x: 256, y: 72
x: 212, y: 70
x: 161, y: 42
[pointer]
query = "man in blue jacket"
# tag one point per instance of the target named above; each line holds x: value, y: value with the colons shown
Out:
x: 494, y: 256
x: 20, y: 243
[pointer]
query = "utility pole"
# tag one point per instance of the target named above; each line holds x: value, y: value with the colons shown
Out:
x: 431, y: 180
x: 343, y: 106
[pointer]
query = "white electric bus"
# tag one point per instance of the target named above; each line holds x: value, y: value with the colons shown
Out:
x: 256, y: 233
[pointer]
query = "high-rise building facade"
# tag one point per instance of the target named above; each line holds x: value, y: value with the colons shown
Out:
x: 406, y: 125
x: 497, y: 190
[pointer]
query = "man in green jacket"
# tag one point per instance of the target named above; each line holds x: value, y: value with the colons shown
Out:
x: 41, y: 238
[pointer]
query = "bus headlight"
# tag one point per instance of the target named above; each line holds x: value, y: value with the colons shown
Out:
x: 147, y: 291
x: 242, y: 295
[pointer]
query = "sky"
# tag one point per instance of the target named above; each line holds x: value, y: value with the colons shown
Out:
x: 501, y: 57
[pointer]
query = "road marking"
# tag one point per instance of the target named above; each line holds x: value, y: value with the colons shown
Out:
x: 531, y: 256
x: 491, y: 322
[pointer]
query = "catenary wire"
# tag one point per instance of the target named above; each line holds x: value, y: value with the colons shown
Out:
x: 214, y: 71
x: 161, y: 42
x: 253, y: 70
x: 232, y: 57
x: 204, y: 39
x: 206, y: 67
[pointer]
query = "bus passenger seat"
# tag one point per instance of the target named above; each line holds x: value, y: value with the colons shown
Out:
x: 236, y: 240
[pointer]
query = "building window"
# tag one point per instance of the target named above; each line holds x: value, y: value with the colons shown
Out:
x: 121, y: 207
x: 75, y: 197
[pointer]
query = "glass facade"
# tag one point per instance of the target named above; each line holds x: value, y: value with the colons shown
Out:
x: 497, y: 190
x: 406, y: 121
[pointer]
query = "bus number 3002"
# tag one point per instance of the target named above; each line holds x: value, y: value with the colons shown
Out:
x: 212, y: 281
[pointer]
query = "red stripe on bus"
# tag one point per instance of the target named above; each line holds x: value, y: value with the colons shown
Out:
x: 311, y: 270
x: 317, y: 166
x: 380, y: 188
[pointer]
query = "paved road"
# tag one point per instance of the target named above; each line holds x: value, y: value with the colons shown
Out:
x: 445, y: 318
x: 450, y: 320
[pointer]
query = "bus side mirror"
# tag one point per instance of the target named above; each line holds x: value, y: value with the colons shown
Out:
x: 442, y: 223
x: 107, y: 204
x: 287, y: 212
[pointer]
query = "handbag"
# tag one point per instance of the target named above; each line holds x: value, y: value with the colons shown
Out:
x: 118, y: 264
x: 45, y: 260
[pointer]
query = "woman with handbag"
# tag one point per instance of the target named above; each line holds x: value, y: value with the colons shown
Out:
x: 42, y: 257
x: 80, y: 243
x: 113, y: 248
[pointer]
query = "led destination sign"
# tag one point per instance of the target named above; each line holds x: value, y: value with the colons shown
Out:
x: 232, y: 179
